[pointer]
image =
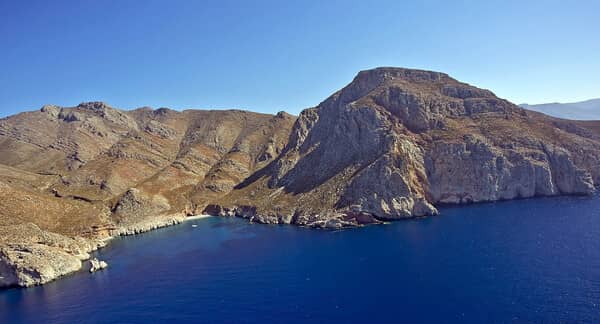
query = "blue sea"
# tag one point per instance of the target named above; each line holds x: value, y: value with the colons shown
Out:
x: 519, y: 261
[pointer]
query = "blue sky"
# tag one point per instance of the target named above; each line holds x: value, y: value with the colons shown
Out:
x: 286, y: 55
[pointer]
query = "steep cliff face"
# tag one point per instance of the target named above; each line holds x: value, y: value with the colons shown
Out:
x: 396, y: 142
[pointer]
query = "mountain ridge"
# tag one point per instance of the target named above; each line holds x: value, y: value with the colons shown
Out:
x: 581, y: 110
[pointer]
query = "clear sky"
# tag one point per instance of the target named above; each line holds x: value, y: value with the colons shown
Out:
x: 286, y: 55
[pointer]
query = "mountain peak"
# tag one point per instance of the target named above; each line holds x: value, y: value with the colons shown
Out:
x: 392, y: 73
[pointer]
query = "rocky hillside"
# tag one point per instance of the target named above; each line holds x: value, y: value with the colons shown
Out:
x: 394, y: 143
x: 93, y: 171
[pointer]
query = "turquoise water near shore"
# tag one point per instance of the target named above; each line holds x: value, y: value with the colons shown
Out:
x: 518, y: 261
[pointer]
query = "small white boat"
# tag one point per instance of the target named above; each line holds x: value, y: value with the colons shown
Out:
x: 194, y: 225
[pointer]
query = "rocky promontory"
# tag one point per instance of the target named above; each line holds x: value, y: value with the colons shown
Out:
x: 31, y: 256
x: 395, y: 143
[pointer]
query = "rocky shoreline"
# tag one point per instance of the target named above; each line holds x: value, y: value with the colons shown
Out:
x: 353, y: 218
x: 30, y: 256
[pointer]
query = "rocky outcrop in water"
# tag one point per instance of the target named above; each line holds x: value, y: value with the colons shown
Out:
x: 97, y: 265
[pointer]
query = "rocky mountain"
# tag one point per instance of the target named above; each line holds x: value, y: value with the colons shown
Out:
x: 394, y: 143
x: 583, y: 110
x: 92, y: 172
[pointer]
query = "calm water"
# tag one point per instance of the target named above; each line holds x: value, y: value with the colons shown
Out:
x: 518, y: 261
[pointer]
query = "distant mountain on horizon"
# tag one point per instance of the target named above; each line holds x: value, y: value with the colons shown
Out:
x: 583, y: 110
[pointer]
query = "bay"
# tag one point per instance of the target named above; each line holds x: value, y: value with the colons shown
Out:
x: 517, y: 261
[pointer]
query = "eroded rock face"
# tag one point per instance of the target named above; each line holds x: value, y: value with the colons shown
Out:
x: 475, y: 171
x: 392, y: 186
x: 34, y: 264
x: 30, y: 256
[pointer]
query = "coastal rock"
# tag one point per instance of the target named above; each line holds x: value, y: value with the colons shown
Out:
x: 30, y: 256
x: 34, y: 264
x: 97, y: 265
